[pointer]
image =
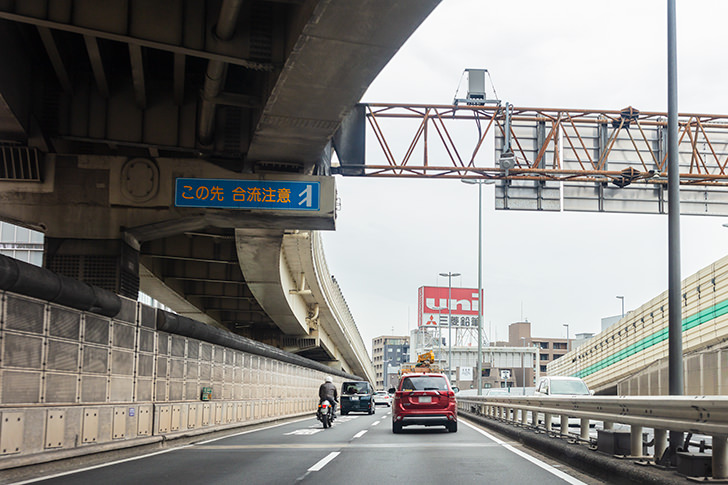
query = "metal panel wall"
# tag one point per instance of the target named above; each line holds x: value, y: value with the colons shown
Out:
x: 109, y: 380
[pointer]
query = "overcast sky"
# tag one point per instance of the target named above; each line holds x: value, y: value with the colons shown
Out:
x: 394, y: 236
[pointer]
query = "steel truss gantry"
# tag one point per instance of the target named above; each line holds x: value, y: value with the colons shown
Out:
x: 542, y: 144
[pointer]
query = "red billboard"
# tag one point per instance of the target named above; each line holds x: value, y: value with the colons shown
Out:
x: 433, y: 307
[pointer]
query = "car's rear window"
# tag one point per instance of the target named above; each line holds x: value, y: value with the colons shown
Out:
x: 424, y: 383
x: 355, y: 387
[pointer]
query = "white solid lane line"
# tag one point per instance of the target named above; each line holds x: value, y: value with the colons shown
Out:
x: 94, y: 467
x: 360, y: 434
x: 322, y: 463
x: 566, y: 477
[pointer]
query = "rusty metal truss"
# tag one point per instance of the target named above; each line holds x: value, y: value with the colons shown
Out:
x: 618, y: 148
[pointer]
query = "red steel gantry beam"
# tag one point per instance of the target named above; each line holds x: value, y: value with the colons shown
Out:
x: 622, y: 147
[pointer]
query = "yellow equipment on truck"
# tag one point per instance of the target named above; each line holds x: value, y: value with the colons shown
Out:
x: 425, y: 363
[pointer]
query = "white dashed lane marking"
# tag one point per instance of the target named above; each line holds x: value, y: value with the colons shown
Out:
x: 322, y: 463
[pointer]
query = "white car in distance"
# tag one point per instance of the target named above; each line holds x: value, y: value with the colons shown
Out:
x: 382, y: 397
x: 562, y: 386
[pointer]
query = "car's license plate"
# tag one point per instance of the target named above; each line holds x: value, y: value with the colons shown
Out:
x: 354, y: 398
x: 425, y: 399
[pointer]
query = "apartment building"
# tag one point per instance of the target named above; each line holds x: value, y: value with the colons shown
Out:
x: 388, y: 351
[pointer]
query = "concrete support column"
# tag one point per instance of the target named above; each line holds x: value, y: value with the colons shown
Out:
x: 720, y: 457
x: 660, y: 443
x: 635, y: 440
x: 111, y: 264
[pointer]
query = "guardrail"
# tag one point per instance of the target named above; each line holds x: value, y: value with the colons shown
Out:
x: 707, y: 415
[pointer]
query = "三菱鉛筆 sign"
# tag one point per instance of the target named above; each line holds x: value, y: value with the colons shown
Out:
x: 247, y: 194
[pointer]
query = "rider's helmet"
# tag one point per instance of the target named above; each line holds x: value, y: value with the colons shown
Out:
x: 329, y: 379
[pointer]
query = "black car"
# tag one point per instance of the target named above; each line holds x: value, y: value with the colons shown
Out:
x: 356, y: 396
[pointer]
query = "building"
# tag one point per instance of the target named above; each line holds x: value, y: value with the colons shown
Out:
x: 502, y: 364
x: 388, y: 351
x: 21, y: 243
x: 550, y: 349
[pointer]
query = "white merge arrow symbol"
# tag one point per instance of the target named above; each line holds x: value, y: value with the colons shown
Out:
x: 304, y: 431
x: 307, y: 193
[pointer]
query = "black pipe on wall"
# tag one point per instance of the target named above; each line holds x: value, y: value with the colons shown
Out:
x: 30, y: 280
x: 179, y: 325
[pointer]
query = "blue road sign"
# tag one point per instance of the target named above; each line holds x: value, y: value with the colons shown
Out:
x: 247, y: 194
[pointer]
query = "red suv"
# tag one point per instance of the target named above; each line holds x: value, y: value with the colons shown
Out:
x: 424, y: 399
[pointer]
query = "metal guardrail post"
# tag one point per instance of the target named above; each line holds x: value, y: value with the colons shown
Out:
x: 564, y: 424
x: 608, y: 426
x: 584, y: 429
x: 547, y: 421
x: 524, y: 417
x: 720, y: 457
x: 660, y: 443
x: 635, y: 440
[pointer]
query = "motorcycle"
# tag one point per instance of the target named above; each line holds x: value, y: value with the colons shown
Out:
x: 325, y: 413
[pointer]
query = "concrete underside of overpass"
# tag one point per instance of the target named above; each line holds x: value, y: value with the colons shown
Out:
x: 103, y: 105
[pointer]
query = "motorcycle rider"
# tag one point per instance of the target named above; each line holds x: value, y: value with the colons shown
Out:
x: 327, y: 391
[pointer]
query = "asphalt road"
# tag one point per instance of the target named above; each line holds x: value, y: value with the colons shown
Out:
x: 357, y: 449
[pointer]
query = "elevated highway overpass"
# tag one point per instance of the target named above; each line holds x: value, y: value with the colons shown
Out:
x: 102, y: 107
x: 104, y: 104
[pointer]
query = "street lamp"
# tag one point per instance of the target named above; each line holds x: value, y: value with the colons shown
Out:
x: 567, y: 337
x: 478, y: 362
x: 449, y: 321
x: 622, y: 298
x: 523, y: 363
x: 439, y: 333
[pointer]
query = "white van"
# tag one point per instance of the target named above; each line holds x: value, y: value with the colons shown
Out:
x: 562, y: 386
